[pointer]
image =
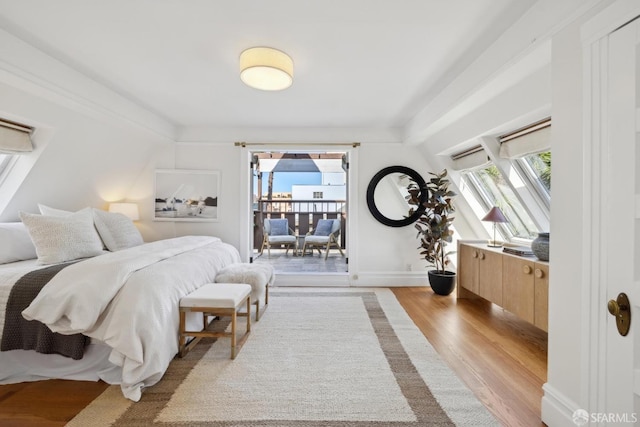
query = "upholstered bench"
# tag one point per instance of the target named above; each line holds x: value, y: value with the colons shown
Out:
x: 259, y: 276
x: 215, y: 299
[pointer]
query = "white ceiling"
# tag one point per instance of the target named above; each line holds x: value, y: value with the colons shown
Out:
x: 357, y: 63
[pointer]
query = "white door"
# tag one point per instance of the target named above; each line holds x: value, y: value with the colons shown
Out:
x: 620, y: 220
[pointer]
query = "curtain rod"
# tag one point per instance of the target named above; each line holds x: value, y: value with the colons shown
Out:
x: 292, y: 144
x: 15, y: 125
x: 467, y: 152
x: 525, y: 130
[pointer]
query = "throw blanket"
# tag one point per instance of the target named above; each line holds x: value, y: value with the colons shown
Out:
x: 20, y: 334
x: 130, y: 300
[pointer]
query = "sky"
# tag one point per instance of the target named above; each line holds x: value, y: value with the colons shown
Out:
x: 282, y: 181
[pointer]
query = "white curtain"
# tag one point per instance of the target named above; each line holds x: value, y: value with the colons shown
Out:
x: 14, y: 139
x: 474, y: 158
x: 535, y: 140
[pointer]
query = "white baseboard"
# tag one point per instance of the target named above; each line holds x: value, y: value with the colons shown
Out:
x: 389, y: 278
x: 367, y: 279
x: 557, y: 409
x: 312, y: 279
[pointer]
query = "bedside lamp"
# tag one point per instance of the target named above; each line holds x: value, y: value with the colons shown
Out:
x: 130, y: 210
x: 495, y: 215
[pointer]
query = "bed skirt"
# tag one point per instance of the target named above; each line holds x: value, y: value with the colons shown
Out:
x: 26, y: 365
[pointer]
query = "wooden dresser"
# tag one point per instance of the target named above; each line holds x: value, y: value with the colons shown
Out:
x: 518, y: 284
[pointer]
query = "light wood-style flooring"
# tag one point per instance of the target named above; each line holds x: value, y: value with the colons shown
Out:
x: 502, y: 359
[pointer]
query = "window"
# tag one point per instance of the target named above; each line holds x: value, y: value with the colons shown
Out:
x: 15, y: 139
x: 536, y: 168
x: 4, y: 162
x: 490, y: 188
x: 317, y: 194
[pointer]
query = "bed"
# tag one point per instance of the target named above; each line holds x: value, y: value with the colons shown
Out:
x: 125, y: 301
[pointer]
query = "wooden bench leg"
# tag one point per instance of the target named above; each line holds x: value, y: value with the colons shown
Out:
x: 266, y: 301
x: 234, y: 317
x: 248, y: 317
x: 236, y: 344
x: 182, y: 338
x: 183, y: 345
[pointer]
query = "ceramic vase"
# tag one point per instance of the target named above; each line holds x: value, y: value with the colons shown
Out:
x: 540, y: 246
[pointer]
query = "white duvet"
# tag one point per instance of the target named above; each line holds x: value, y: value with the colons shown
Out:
x: 130, y: 299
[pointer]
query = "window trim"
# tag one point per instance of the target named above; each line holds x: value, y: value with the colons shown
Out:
x: 6, y: 165
x: 524, y: 170
x: 483, y: 199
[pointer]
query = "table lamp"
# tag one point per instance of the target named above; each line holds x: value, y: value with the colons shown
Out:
x: 495, y: 215
x: 130, y: 210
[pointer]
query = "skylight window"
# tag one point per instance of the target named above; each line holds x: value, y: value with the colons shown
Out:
x: 4, y: 162
x: 490, y: 188
x: 536, y: 169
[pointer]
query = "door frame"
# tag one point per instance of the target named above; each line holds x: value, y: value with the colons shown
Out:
x: 351, y: 237
x: 596, y: 140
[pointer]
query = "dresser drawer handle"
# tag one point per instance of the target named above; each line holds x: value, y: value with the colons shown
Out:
x: 526, y: 269
x: 539, y: 273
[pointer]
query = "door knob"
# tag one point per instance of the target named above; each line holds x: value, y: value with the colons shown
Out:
x: 621, y: 309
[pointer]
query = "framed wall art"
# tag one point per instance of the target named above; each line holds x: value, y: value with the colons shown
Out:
x: 186, y: 195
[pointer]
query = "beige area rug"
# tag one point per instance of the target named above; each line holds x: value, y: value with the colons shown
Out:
x: 317, y: 357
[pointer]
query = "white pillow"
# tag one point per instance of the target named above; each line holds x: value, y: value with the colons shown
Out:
x: 46, y: 210
x: 116, y: 230
x: 15, y: 243
x: 60, y: 239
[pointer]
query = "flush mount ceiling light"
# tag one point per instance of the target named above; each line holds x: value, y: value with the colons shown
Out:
x: 265, y: 68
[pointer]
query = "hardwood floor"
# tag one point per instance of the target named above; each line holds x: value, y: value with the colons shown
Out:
x: 45, y: 403
x: 501, y: 358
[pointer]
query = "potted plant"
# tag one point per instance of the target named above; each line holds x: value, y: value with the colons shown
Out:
x: 434, y: 230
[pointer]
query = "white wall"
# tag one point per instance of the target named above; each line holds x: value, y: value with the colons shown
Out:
x: 333, y: 178
x: 556, y: 90
x: 329, y: 192
x: 383, y: 253
x: 92, y: 155
x: 518, y: 105
x: 566, y: 221
x: 222, y: 157
x: 565, y: 359
x: 387, y: 251
x: 84, y: 160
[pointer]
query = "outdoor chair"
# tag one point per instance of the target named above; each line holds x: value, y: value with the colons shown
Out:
x: 325, y: 235
x: 277, y: 232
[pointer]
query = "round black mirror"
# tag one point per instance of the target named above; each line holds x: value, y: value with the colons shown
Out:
x: 387, y: 196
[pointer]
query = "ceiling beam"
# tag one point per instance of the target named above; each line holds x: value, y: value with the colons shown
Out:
x: 524, y: 37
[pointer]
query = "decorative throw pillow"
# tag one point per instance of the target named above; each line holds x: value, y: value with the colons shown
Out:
x: 15, y: 243
x: 116, y: 230
x: 323, y: 228
x: 279, y: 227
x: 60, y: 239
x: 46, y: 210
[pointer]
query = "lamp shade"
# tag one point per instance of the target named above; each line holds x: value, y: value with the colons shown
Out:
x: 495, y: 215
x: 129, y: 210
x: 265, y: 68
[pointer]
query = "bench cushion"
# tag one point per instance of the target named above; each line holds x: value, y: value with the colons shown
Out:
x: 259, y: 276
x: 217, y: 295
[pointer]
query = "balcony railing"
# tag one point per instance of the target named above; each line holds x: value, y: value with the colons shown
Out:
x: 303, y: 215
